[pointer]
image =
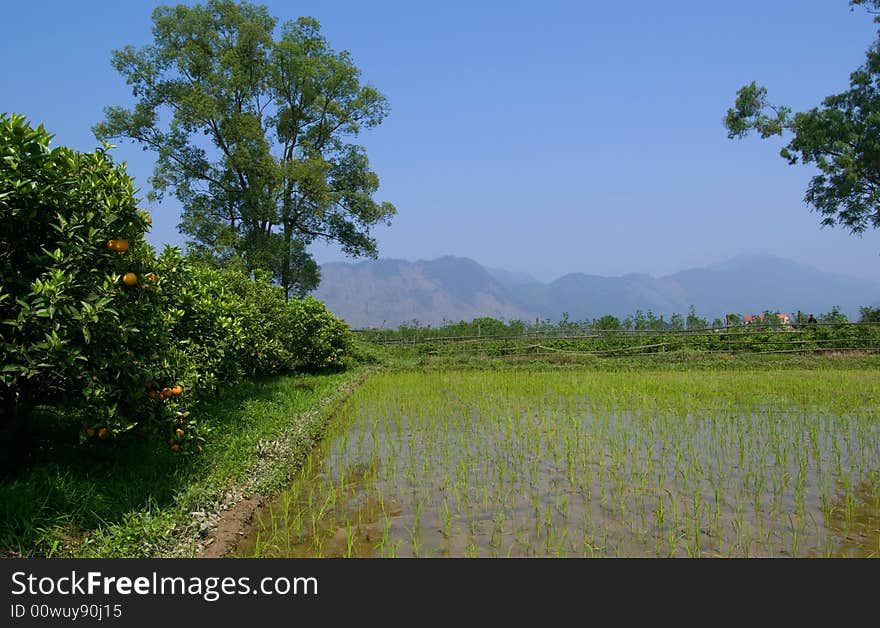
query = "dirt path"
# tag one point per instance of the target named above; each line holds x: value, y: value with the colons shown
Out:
x: 231, y: 526
x: 216, y: 533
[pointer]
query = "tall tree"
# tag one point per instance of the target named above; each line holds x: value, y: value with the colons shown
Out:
x: 254, y: 135
x: 841, y: 137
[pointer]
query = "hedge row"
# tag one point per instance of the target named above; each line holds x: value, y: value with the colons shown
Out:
x: 841, y: 336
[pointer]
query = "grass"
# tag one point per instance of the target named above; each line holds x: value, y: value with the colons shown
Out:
x: 591, y: 463
x: 680, y: 454
x: 140, y: 499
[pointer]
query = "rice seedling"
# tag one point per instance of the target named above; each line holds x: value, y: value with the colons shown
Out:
x: 576, y: 463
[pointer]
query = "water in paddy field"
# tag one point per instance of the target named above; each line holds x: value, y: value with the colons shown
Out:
x: 581, y: 464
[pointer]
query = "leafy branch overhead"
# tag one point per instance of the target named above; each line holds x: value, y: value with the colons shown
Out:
x: 254, y: 134
x: 841, y: 137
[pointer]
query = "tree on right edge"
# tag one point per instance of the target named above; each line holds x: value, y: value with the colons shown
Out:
x: 841, y: 137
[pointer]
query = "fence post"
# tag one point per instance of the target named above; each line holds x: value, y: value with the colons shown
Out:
x: 537, y: 334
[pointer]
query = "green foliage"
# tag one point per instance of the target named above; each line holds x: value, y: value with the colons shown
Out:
x: 109, y: 354
x: 320, y: 339
x: 482, y: 327
x: 138, y: 498
x: 755, y: 338
x: 676, y: 322
x: 834, y: 316
x: 72, y: 332
x: 607, y: 323
x: 869, y: 314
x: 644, y: 321
x: 280, y: 112
x: 695, y: 322
x: 841, y: 137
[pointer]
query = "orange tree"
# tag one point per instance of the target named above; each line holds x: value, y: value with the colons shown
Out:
x: 78, y: 317
x: 96, y: 325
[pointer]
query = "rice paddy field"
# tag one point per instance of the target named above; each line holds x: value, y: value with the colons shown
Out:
x: 590, y: 464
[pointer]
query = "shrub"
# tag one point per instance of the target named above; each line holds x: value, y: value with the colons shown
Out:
x: 111, y: 334
x: 72, y: 332
x: 320, y: 339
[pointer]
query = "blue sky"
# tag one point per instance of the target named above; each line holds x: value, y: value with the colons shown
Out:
x: 548, y: 137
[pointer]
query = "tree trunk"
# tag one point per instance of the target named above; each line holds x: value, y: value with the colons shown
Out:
x: 285, y: 258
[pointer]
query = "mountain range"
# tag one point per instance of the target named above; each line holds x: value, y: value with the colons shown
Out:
x: 388, y: 292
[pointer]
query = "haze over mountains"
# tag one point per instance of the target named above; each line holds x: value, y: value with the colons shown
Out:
x: 390, y: 292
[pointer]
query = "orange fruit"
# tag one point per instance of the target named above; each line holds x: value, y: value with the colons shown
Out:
x: 111, y: 244
x: 121, y: 246
x: 175, y: 447
x: 166, y: 392
x: 177, y: 390
x: 129, y: 279
x: 179, y: 432
x: 102, y: 433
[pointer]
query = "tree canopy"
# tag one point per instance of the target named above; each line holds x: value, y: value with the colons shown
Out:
x: 254, y: 130
x: 841, y: 137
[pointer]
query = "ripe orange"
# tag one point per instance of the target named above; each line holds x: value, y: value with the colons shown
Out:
x: 111, y: 244
x: 102, y: 433
x: 121, y: 246
x: 177, y: 390
x: 179, y: 432
x: 166, y: 392
x: 175, y: 447
x: 129, y: 279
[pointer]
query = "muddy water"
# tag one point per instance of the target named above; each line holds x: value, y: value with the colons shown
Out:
x: 452, y: 466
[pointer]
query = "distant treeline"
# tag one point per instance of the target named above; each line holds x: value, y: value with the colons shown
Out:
x: 638, y: 322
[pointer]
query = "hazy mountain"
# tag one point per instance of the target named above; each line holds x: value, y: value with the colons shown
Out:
x: 452, y: 288
x: 511, y: 278
x: 391, y: 292
x: 779, y: 284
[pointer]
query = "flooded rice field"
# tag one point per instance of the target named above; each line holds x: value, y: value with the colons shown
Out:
x: 497, y: 464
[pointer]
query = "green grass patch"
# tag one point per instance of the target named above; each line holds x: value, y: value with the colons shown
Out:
x: 138, y: 499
